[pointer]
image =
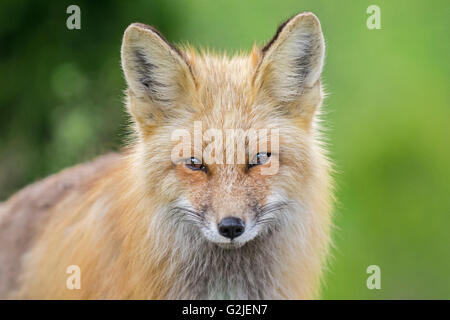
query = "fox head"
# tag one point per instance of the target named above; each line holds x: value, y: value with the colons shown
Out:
x: 230, y: 145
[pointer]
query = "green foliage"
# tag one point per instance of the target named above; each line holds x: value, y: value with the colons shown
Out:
x: 387, y: 112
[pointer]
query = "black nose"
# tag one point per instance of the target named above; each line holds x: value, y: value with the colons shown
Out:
x: 231, y: 227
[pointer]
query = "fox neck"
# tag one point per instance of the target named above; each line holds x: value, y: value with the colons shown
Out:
x: 207, y: 271
x: 195, y: 268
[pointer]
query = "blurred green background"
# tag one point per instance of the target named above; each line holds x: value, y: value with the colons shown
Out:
x: 388, y: 113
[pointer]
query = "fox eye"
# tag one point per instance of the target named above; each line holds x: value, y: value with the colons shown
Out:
x: 194, y: 164
x: 260, y: 158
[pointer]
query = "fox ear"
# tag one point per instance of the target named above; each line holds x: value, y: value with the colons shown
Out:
x: 156, y: 72
x: 292, y: 61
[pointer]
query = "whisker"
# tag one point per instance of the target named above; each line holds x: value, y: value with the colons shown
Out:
x: 188, y: 215
x: 272, y: 206
x: 264, y: 213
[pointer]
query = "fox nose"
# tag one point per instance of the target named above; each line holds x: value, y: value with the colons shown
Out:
x: 231, y: 227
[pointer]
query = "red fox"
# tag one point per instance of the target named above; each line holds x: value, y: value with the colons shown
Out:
x: 152, y: 223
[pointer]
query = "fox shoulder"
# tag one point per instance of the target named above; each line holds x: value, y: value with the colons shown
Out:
x: 26, y: 212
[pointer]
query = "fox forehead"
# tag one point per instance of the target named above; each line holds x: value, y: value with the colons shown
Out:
x: 223, y: 84
x: 225, y: 93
